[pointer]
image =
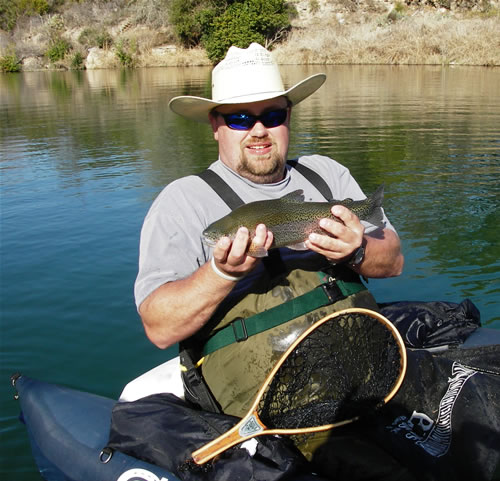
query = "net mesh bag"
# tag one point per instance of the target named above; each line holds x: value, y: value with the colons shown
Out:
x: 343, y: 368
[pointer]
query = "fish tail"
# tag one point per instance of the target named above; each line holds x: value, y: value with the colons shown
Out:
x: 376, y: 216
x: 377, y: 197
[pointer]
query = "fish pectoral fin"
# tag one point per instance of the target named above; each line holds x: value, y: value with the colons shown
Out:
x: 293, y: 197
x: 300, y: 246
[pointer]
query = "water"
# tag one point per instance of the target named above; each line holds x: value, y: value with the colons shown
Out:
x: 83, y: 154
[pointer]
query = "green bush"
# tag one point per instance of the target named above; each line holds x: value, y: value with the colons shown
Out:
x: 77, y: 61
x: 104, y: 40
x: 10, y: 63
x: 124, y: 56
x: 11, y: 10
x: 91, y: 37
x: 188, y: 16
x: 400, y: 7
x: 216, y: 25
x: 57, y: 50
x: 261, y: 21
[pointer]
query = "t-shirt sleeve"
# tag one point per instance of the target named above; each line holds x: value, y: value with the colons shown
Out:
x: 170, y: 245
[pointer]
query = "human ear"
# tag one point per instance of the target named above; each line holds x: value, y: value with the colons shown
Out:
x: 212, y: 116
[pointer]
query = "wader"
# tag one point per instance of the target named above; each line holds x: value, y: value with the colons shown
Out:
x: 244, y: 345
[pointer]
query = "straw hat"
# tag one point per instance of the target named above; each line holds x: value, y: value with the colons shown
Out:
x: 245, y: 75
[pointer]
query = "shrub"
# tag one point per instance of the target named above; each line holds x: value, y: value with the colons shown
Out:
x: 11, y: 10
x: 10, y: 63
x: 400, y: 7
x: 188, y: 17
x: 104, y: 40
x: 57, y: 50
x: 218, y: 25
x: 91, y: 37
x: 77, y: 61
x: 87, y: 37
x: 150, y: 12
x: 313, y: 6
x: 124, y: 56
x: 397, y: 13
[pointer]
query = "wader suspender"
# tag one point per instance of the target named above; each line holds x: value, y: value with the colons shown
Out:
x: 231, y: 198
x: 314, y: 178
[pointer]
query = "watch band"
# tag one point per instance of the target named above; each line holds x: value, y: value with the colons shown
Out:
x: 357, y: 257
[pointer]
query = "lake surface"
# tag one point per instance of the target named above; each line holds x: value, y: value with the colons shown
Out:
x: 83, y: 155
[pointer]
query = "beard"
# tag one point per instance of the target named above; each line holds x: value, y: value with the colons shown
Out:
x: 263, y: 169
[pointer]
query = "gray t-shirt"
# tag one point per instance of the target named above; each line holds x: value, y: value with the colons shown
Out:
x: 171, y: 246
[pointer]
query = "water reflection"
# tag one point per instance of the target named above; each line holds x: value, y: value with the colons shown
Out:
x: 430, y: 133
x: 84, y: 153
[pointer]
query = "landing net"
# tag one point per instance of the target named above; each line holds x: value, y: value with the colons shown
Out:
x: 346, y: 366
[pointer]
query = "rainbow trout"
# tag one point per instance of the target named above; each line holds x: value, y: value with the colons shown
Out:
x: 290, y: 219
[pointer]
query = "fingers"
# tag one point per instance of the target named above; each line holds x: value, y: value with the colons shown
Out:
x: 343, y: 236
x: 260, y: 236
x: 261, y: 242
x: 233, y: 256
x: 344, y: 218
x: 269, y: 239
x: 232, y: 252
x: 238, y: 249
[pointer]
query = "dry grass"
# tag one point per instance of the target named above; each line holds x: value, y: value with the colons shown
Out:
x: 427, y: 38
x: 178, y: 57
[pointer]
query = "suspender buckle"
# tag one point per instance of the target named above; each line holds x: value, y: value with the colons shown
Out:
x: 239, y: 329
x: 332, y: 291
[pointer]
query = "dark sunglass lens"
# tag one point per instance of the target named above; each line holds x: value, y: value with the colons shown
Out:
x: 274, y: 118
x: 247, y: 121
x: 239, y: 121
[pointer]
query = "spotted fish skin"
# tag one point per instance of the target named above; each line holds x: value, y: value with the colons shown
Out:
x: 290, y: 219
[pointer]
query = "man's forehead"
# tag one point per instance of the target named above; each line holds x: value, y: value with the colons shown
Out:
x: 253, y: 107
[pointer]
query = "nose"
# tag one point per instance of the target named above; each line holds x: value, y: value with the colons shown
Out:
x: 258, y: 130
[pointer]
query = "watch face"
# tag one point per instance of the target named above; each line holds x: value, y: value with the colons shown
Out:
x: 358, y: 257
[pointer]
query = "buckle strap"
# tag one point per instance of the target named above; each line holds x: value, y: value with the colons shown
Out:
x: 333, y: 292
x: 196, y: 390
x: 239, y: 326
x: 241, y: 329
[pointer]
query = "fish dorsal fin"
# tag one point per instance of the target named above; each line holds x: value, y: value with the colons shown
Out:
x: 293, y: 197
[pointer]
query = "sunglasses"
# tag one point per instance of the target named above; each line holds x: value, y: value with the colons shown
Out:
x: 270, y: 119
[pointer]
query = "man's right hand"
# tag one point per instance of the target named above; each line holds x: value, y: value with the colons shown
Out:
x: 178, y: 309
x: 232, y: 257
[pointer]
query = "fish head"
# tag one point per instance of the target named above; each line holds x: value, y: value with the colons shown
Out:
x: 220, y: 228
x: 211, y: 236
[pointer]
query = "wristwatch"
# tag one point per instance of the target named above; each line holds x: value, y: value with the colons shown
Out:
x: 357, y: 257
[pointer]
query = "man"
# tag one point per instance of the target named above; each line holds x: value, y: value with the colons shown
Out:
x: 186, y: 292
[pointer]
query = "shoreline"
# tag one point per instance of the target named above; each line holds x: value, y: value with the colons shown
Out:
x: 377, y: 33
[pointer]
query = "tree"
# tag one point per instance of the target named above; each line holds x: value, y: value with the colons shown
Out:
x: 216, y: 25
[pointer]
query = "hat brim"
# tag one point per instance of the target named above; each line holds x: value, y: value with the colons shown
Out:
x: 198, y: 108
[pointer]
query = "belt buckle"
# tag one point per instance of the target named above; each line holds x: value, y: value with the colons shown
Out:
x: 243, y: 328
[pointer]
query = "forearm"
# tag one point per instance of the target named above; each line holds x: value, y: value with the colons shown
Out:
x: 383, y: 256
x: 178, y: 309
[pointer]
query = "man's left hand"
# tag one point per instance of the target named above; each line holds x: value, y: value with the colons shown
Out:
x: 341, y: 239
